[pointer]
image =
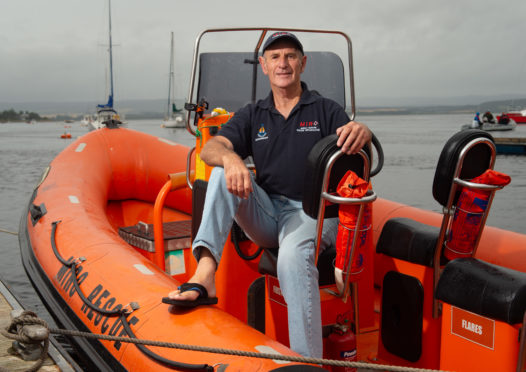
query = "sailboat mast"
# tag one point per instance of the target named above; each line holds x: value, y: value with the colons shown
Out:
x: 171, y: 77
x: 111, y: 55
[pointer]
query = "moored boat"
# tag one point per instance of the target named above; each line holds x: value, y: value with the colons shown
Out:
x: 490, y: 123
x: 86, y: 119
x: 106, y: 115
x: 518, y: 116
x: 174, y: 117
x: 107, y: 233
x: 490, y: 127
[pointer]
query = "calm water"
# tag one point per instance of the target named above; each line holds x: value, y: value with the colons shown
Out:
x: 411, y: 145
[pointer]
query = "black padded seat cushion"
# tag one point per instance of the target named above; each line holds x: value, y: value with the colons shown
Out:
x: 489, y: 290
x: 316, y: 163
x: 476, y: 162
x: 408, y: 240
x: 198, y: 203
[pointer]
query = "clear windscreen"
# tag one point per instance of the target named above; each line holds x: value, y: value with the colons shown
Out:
x: 226, y: 79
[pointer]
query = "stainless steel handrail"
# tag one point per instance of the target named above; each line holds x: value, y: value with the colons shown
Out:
x: 188, y: 165
x: 457, y: 181
x: 326, y: 197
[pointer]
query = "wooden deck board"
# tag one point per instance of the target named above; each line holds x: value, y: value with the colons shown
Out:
x: 510, y: 140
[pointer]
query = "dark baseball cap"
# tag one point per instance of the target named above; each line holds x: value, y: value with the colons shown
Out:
x: 282, y: 35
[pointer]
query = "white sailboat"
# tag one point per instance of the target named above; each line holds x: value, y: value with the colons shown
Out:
x: 86, y: 120
x: 106, y: 115
x: 174, y: 117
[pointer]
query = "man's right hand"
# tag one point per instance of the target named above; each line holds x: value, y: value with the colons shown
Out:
x: 237, y: 175
x: 219, y: 152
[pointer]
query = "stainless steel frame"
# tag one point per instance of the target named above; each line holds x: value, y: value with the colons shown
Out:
x: 264, y: 31
x: 449, y: 209
x: 326, y: 198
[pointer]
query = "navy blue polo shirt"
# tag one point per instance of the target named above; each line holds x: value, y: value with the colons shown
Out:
x: 280, y: 146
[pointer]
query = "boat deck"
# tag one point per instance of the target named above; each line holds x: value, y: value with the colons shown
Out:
x: 55, y: 361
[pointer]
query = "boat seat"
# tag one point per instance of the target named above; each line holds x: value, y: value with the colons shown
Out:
x: 317, y: 162
x: 462, y: 151
x: 408, y: 240
x: 411, y: 256
x: 494, y: 291
x: 417, y: 236
x: 486, y: 318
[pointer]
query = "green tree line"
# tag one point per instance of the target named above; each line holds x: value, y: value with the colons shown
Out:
x: 11, y: 115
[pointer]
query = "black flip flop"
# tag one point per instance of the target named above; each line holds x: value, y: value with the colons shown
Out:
x: 202, y: 299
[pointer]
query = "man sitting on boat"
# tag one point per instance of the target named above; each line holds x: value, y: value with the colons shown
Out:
x: 476, y: 121
x: 504, y: 119
x: 488, y: 118
x: 278, y: 132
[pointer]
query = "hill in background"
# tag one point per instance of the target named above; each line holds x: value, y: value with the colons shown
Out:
x: 156, y: 108
x: 496, y: 107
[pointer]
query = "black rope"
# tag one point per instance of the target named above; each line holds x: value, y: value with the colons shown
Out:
x: 242, y: 254
x: 54, y: 246
x: 158, y: 358
x: 72, y: 265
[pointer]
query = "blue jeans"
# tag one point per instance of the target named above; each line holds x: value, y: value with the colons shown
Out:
x: 272, y: 221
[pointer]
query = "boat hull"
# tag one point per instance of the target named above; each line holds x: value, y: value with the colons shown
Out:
x: 105, y: 180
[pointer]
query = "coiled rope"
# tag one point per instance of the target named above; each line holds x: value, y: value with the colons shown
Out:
x: 30, y: 318
x: 14, y: 332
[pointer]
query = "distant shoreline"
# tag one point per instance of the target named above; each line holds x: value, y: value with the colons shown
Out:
x: 155, y: 109
x: 414, y: 111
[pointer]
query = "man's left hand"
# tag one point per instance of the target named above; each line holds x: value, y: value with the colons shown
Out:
x: 353, y: 136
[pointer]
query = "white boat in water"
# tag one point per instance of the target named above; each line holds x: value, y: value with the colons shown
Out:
x: 86, y: 120
x: 174, y: 116
x: 489, y: 123
x: 105, y: 117
x: 106, y: 114
x: 511, y: 125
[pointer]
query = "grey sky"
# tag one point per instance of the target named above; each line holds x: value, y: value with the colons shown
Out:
x: 53, y: 50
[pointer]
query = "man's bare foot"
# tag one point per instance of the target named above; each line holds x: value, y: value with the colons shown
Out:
x: 204, y: 275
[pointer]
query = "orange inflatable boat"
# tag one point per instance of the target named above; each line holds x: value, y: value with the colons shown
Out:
x: 108, y: 231
x: 92, y: 280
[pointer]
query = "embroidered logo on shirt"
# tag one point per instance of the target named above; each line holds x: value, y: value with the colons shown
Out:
x: 262, y: 133
x: 308, y: 126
